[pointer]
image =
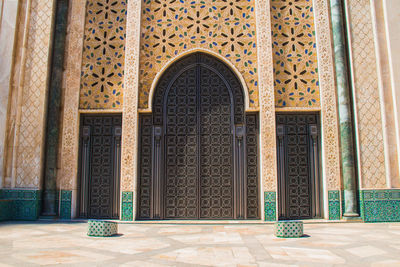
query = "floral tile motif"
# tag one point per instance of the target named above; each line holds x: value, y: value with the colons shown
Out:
x: 270, y: 206
x: 103, y: 55
x: 294, y: 54
x: 171, y: 27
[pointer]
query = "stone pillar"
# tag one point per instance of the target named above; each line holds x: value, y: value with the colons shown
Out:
x: 53, y: 110
x: 345, y: 116
x: 130, y: 112
x: 9, y: 9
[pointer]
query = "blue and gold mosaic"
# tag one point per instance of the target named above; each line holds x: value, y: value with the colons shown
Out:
x: 294, y: 54
x: 103, y: 55
x: 171, y: 27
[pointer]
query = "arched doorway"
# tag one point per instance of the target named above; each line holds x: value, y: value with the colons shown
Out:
x: 198, y: 149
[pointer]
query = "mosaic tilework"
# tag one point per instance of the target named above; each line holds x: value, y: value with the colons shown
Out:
x: 127, y: 206
x: 102, y: 228
x: 334, y: 204
x: 25, y: 203
x: 295, y: 55
x: 5, y: 210
x: 65, y: 205
x: 103, y: 55
x: 171, y: 27
x: 288, y: 229
x: 270, y: 206
x: 381, y: 205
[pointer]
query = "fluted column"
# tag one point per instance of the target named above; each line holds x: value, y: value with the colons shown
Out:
x: 345, y: 114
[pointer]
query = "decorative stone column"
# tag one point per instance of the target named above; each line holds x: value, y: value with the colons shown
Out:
x: 345, y: 117
x: 54, y: 109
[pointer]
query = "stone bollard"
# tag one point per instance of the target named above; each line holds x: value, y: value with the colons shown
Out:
x: 102, y: 228
x: 288, y: 229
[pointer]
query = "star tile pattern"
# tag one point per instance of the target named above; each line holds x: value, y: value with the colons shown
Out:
x: 294, y: 52
x: 171, y: 27
x: 103, y: 55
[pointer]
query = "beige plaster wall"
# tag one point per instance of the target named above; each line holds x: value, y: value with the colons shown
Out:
x: 392, y: 19
x: 8, y: 9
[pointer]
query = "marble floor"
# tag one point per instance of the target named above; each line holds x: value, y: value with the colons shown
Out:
x: 326, y: 244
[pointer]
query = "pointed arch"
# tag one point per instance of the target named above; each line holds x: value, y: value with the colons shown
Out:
x: 193, y: 51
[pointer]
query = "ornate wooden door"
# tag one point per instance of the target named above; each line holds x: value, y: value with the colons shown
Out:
x: 193, y: 147
x: 298, y: 166
x: 100, y: 155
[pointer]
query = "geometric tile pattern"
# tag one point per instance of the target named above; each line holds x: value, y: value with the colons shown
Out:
x: 103, y: 55
x: 30, y: 133
x: 170, y: 27
x: 127, y: 206
x: 294, y: 54
x: 25, y: 204
x: 287, y: 229
x: 102, y: 228
x: 334, y: 204
x: 381, y: 205
x: 270, y: 206
x: 65, y: 205
x: 366, y: 86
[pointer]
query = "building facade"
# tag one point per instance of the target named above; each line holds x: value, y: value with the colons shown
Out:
x: 200, y: 110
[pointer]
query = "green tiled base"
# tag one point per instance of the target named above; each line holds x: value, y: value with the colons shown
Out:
x: 25, y: 204
x: 102, y: 228
x: 334, y: 205
x: 127, y: 206
x: 5, y: 210
x: 270, y: 206
x: 288, y: 229
x: 65, y: 207
x: 380, y: 205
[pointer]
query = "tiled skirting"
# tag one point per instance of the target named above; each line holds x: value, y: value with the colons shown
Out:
x: 270, y: 206
x: 20, y: 204
x: 380, y: 205
x: 127, y: 206
x: 334, y: 204
x: 65, y: 205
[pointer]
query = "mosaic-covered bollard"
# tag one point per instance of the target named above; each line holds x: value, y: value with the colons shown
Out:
x: 288, y: 229
x: 102, y: 228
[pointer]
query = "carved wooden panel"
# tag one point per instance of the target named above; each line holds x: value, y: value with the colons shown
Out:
x: 100, y: 160
x: 298, y: 167
x: 181, y: 160
x: 252, y: 132
x: 216, y: 147
x: 197, y: 153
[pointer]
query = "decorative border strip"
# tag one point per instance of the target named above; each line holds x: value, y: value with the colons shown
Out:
x: 127, y: 206
x: 334, y: 204
x: 270, y: 206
